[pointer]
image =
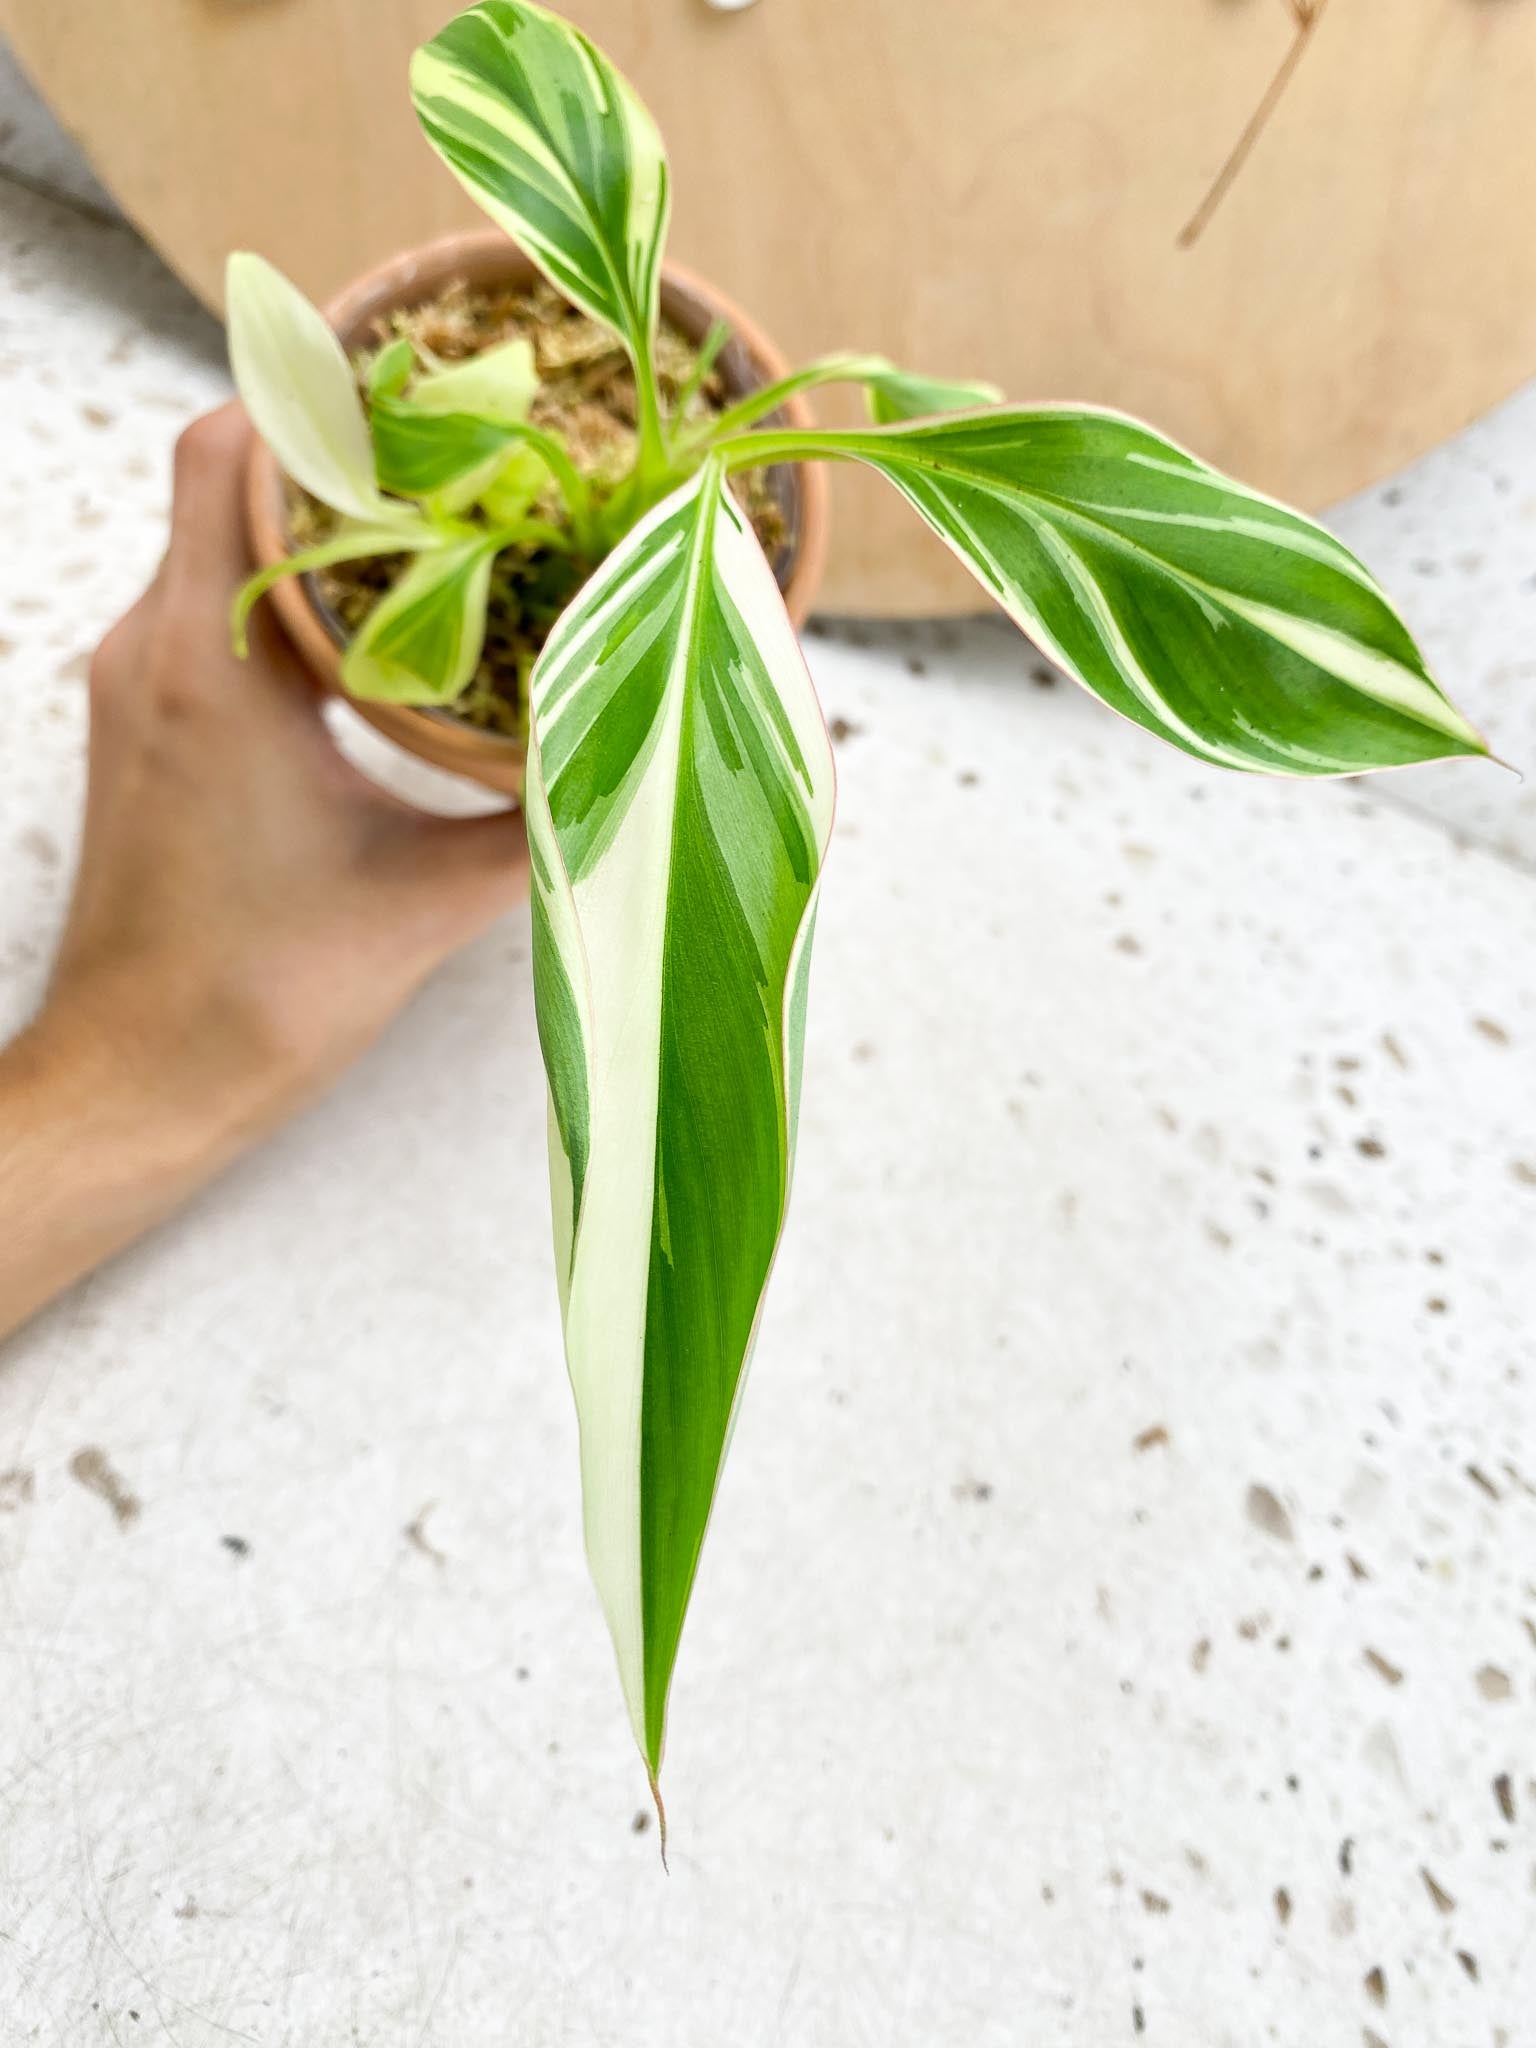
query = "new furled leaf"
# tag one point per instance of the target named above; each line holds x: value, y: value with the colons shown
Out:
x: 555, y: 145
x: 680, y: 790
x: 1216, y: 618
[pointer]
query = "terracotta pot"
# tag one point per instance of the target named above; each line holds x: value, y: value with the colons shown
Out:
x: 484, y: 256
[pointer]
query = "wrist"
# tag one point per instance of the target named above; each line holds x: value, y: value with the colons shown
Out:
x: 112, y: 1121
x: 84, y: 1168
x: 90, y: 1095
x: 109, y: 1119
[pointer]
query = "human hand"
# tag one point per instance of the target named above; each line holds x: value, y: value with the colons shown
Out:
x: 249, y: 911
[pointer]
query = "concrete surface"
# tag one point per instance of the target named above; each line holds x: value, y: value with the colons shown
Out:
x: 1120, y: 1621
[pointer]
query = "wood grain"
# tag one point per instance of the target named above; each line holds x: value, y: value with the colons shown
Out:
x: 978, y: 189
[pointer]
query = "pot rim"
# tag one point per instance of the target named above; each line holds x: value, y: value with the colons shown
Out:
x: 495, y: 759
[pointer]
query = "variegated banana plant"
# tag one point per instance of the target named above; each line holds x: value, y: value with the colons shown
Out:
x: 680, y: 782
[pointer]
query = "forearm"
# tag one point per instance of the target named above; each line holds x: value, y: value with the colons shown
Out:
x: 92, y: 1154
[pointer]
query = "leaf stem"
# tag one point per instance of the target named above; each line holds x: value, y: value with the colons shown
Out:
x: 757, y: 405
x: 652, y: 456
x: 574, y: 487
x: 789, y: 444
x: 709, y: 349
x: 524, y: 533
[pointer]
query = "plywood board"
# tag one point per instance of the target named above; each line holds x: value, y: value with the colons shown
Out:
x: 973, y: 186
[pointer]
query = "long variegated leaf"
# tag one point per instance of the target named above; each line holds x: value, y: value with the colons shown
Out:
x: 1216, y: 618
x: 679, y: 803
x: 555, y: 145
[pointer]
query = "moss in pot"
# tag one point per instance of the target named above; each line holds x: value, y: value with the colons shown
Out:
x: 679, y: 784
x: 582, y: 393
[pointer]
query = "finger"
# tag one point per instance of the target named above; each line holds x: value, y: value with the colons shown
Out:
x: 208, y: 538
x: 208, y: 557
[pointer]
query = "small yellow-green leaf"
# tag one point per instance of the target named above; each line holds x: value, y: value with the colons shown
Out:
x: 421, y: 642
x: 498, y: 384
x: 298, y: 388
x: 391, y: 368
x: 515, y: 485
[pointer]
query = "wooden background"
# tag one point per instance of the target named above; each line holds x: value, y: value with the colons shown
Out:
x: 977, y: 187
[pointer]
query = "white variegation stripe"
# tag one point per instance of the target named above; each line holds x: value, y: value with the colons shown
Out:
x: 1311, y: 542
x: 1097, y: 609
x: 1303, y: 534
x: 1374, y: 675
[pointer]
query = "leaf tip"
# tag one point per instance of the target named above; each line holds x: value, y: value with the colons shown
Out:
x: 244, y: 266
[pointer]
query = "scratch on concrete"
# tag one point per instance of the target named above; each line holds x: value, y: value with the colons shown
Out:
x: 416, y: 1535
x: 16, y: 1489
x: 96, y: 1473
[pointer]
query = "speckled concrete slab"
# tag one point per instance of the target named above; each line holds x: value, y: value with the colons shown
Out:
x: 1120, y: 1622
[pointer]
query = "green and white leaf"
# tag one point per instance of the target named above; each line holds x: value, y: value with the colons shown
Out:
x: 419, y: 453
x: 680, y: 791
x: 555, y: 145
x: 297, y: 385
x: 421, y: 642
x: 1216, y: 618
